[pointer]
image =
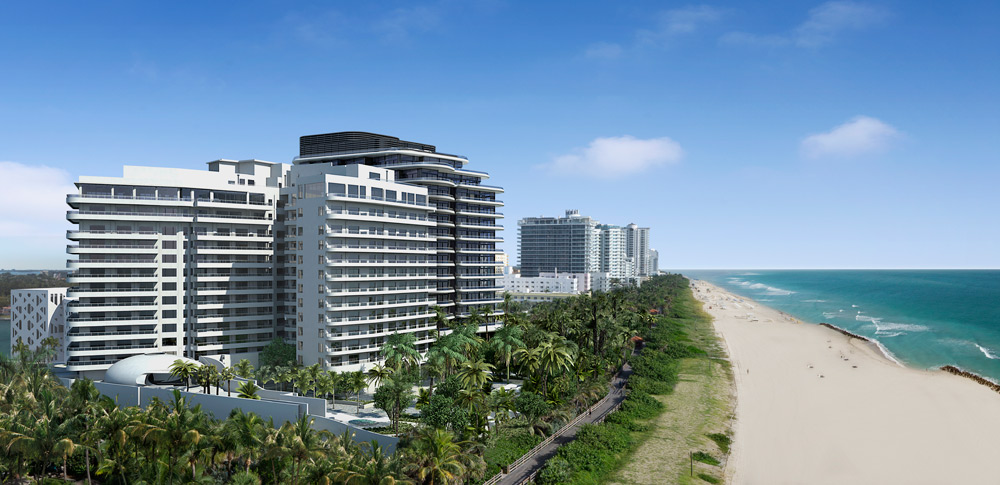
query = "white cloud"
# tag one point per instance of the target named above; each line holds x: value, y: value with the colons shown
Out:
x: 821, y: 27
x: 618, y: 156
x: 34, y: 200
x: 400, y: 23
x: 670, y: 24
x: 686, y: 20
x: 859, y: 136
x: 829, y: 19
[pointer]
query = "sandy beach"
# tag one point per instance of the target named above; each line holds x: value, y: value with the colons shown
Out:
x: 815, y: 406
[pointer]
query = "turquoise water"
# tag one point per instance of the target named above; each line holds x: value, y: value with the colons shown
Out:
x: 925, y: 319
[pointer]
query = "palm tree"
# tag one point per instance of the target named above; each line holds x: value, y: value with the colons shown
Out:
x: 304, y: 444
x: 184, y: 369
x: 378, y: 374
x: 228, y: 374
x: 248, y: 390
x: 244, y: 369
x: 501, y: 402
x: 435, y: 458
x: 64, y: 448
x: 400, y: 351
x: 475, y: 375
x: 554, y: 354
x: 507, y: 341
x: 475, y: 400
x: 356, y: 382
x: 376, y: 469
x: 247, y: 432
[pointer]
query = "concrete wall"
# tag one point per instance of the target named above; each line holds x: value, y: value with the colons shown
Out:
x: 123, y: 395
x: 317, y: 406
x: 221, y: 406
x: 388, y: 443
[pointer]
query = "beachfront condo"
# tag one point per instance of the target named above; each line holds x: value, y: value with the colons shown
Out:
x: 362, y: 237
x: 172, y: 261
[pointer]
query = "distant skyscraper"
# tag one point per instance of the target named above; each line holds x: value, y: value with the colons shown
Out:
x: 637, y: 248
x: 654, y: 262
x: 569, y: 244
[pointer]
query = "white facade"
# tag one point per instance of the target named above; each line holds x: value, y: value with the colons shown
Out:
x: 359, y: 246
x: 637, y: 248
x: 543, y: 283
x: 172, y: 261
x: 37, y: 314
x: 653, y: 262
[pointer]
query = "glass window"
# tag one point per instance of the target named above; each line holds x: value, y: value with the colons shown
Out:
x: 375, y: 176
x: 390, y: 195
x: 337, y: 189
x: 377, y: 193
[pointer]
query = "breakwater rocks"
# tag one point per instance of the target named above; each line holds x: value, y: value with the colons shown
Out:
x: 845, y: 332
x: 969, y: 375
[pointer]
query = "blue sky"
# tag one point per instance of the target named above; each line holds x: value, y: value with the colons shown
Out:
x: 745, y: 134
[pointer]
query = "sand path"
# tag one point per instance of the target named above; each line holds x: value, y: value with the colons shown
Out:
x: 814, y: 406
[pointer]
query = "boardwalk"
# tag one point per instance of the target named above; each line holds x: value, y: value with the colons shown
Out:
x: 616, y: 394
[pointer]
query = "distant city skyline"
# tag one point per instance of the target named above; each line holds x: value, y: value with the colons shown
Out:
x: 784, y: 135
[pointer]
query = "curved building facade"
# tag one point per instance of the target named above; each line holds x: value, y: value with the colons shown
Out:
x: 464, y: 213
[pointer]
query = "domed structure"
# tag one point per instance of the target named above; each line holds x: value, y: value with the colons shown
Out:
x: 143, y: 370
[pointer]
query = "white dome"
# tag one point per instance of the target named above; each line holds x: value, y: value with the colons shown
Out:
x: 140, y: 369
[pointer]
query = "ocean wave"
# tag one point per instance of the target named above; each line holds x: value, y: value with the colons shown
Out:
x: 854, y: 306
x: 898, y: 327
x: 829, y: 315
x: 987, y: 352
x: 889, y: 335
x: 813, y: 301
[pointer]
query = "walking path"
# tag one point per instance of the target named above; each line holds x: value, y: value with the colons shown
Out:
x: 616, y: 394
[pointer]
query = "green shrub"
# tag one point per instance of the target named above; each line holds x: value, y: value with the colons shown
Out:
x: 705, y: 458
x: 556, y: 471
x: 723, y: 441
x: 708, y: 478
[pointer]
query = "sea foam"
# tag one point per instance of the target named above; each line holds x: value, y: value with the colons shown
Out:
x: 987, y: 352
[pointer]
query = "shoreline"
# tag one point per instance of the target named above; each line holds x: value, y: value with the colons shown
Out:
x: 815, y: 405
x: 951, y: 368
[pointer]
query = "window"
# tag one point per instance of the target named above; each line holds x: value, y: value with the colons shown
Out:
x: 319, y: 246
x: 320, y: 287
x: 319, y: 210
x: 337, y: 189
x: 300, y: 259
x: 377, y: 193
x: 319, y: 260
x: 300, y: 245
x: 390, y: 195
x: 300, y: 302
x: 319, y: 230
x: 300, y: 291
x: 300, y: 331
x: 169, y: 258
x: 375, y: 176
x: 169, y: 244
x: 300, y: 274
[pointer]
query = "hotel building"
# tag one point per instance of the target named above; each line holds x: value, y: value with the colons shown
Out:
x: 172, y: 261
x: 360, y: 238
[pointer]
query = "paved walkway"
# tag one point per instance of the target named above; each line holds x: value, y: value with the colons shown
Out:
x: 616, y: 393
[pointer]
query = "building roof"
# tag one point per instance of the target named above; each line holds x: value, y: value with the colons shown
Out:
x: 140, y: 369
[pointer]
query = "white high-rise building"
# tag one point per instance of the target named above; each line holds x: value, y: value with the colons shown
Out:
x: 654, y: 262
x: 570, y: 244
x: 364, y: 260
x: 172, y: 261
x: 614, y: 259
x: 637, y: 248
x: 361, y: 238
x: 37, y: 314
x: 464, y: 213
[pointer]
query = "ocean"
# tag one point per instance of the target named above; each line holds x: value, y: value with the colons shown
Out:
x: 925, y: 319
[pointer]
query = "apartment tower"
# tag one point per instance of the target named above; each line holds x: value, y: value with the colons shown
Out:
x: 172, y: 261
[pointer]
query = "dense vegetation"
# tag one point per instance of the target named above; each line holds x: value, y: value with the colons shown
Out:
x: 18, y: 281
x: 564, y: 352
x: 600, y: 450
